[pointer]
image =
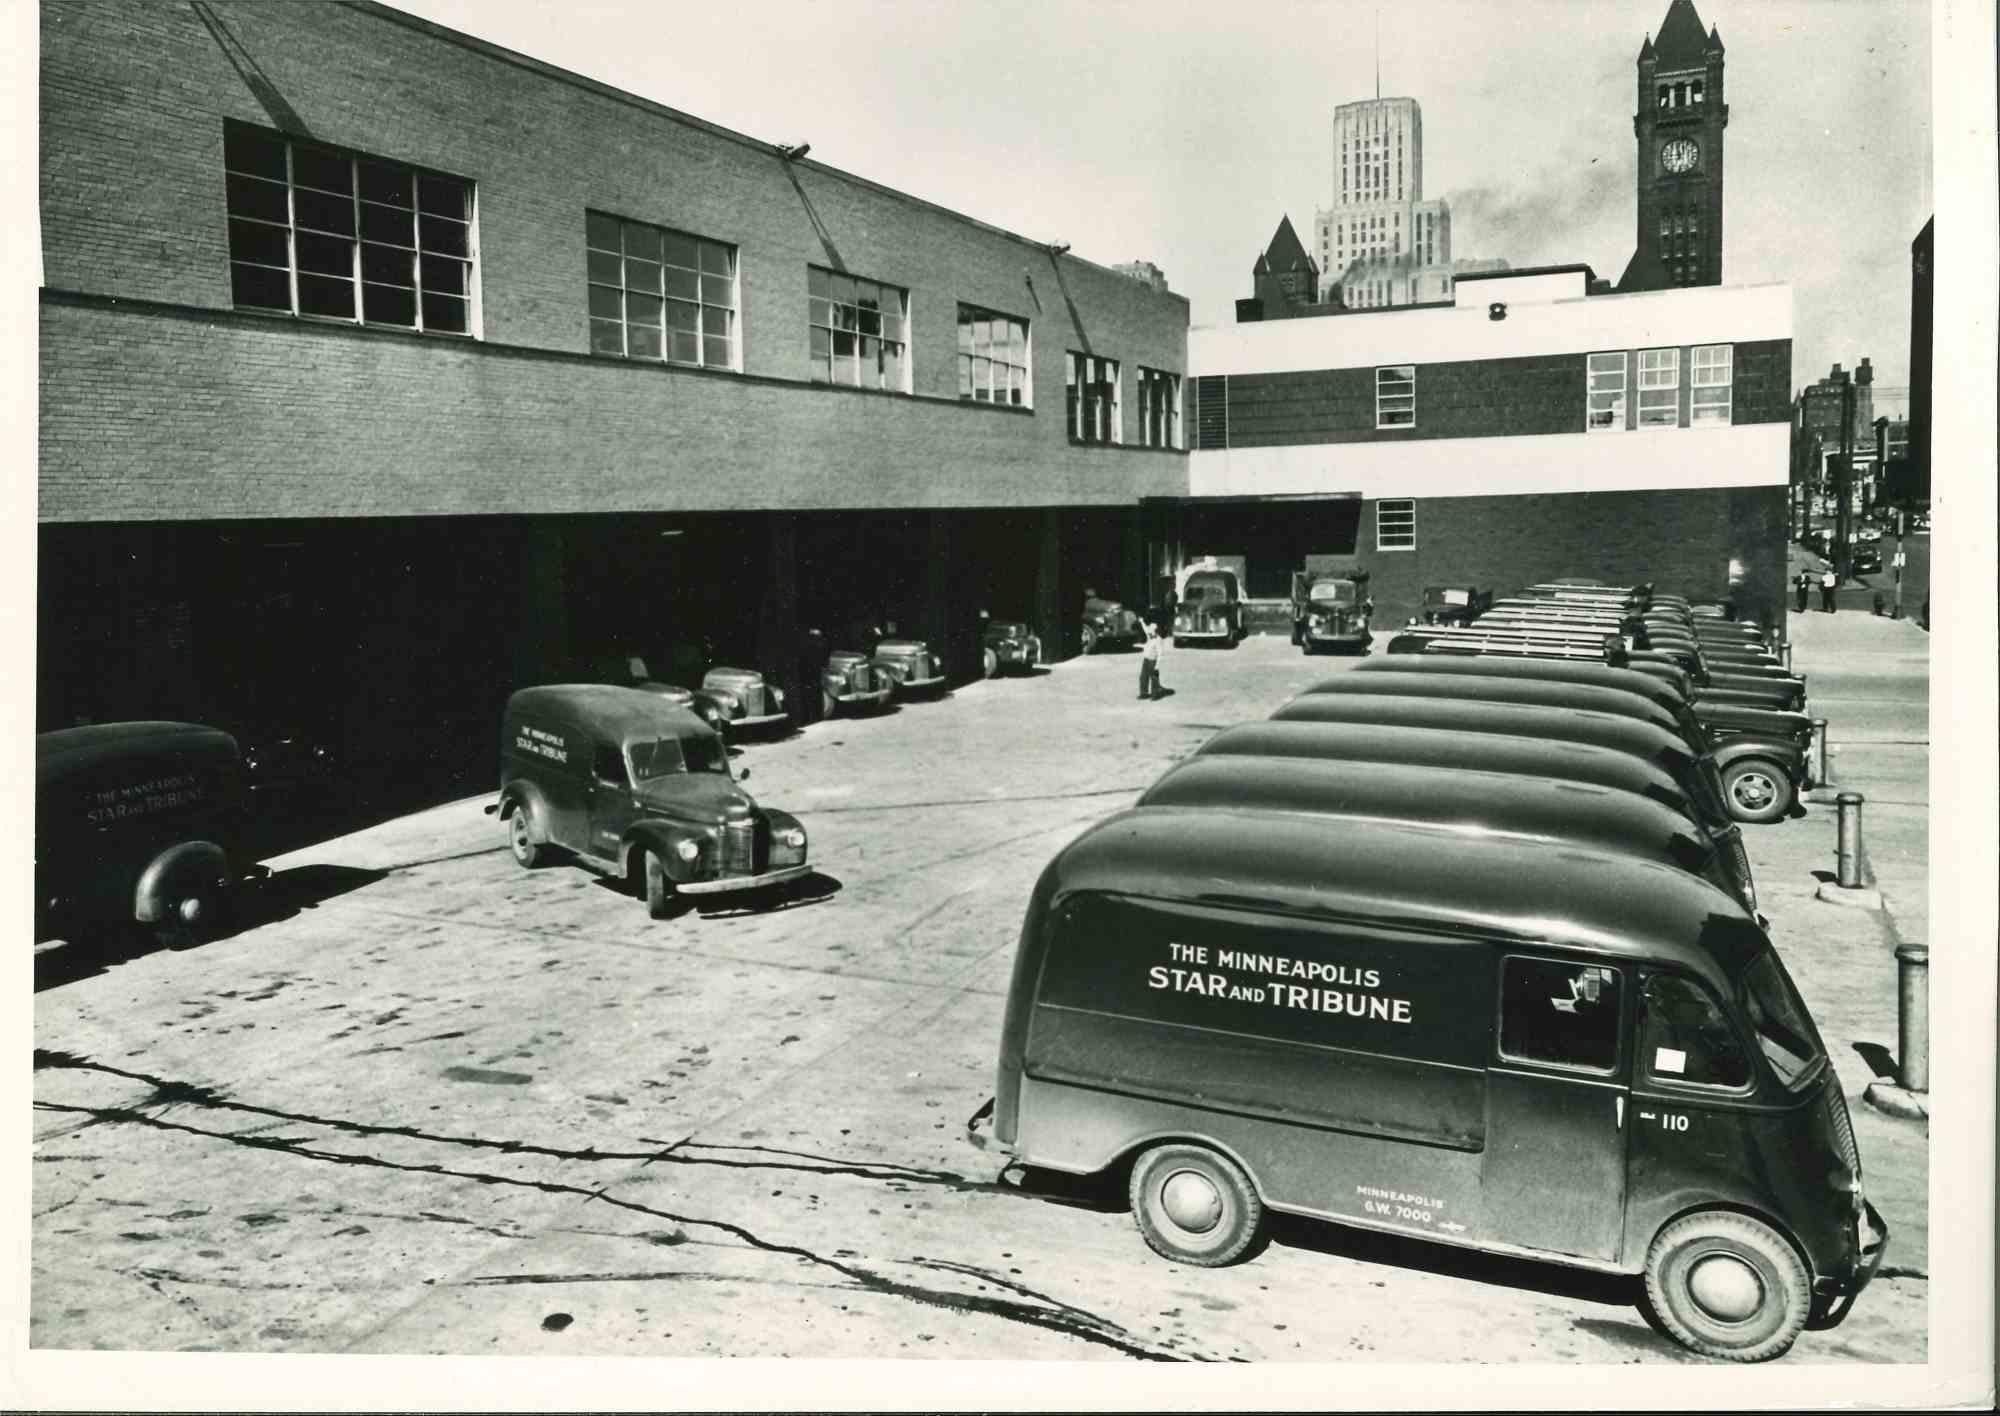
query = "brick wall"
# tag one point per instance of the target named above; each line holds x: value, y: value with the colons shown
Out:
x: 134, y: 95
x: 1681, y: 540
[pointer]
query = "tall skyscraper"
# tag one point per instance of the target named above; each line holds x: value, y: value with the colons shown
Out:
x: 1379, y: 219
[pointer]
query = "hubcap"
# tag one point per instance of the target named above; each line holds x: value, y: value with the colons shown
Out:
x: 1755, y: 790
x: 1191, y: 1201
x: 190, y: 909
x: 1725, y: 1288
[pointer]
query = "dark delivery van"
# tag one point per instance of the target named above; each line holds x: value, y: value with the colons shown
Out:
x: 1546, y: 1050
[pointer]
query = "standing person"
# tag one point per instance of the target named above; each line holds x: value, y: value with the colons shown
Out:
x: 1827, y: 582
x: 1149, y: 663
x: 1802, y: 583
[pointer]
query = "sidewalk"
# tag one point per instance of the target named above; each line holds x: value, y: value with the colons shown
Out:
x: 1869, y: 677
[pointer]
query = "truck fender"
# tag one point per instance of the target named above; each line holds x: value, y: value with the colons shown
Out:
x: 660, y: 838
x: 517, y: 794
x: 710, y: 709
x: 784, y: 821
x: 1738, y: 749
x: 169, y: 875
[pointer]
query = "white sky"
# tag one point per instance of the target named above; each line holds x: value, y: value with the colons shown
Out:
x: 1179, y: 132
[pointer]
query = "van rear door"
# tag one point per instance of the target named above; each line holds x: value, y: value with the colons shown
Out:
x: 1553, y: 1176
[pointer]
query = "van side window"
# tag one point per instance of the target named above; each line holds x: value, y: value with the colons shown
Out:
x: 1561, y: 1013
x: 1684, y: 1036
x: 609, y: 765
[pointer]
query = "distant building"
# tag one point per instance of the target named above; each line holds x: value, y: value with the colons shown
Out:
x: 1817, y: 417
x: 1146, y: 273
x: 1678, y: 125
x: 1380, y: 235
x: 1284, y: 281
x: 1922, y: 260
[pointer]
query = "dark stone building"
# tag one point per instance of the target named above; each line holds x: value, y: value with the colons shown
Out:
x: 1679, y: 123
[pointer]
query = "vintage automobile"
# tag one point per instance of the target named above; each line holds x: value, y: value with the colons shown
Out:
x: 632, y: 671
x: 911, y: 665
x: 637, y: 789
x: 1453, y: 604
x: 1867, y: 560
x: 137, y: 823
x: 1331, y: 612
x: 851, y: 679
x: 1474, y: 1040
x: 1008, y: 644
x: 1108, y: 623
x: 1210, y: 609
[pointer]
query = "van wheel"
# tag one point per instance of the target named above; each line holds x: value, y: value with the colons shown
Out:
x: 1726, y: 1285
x: 195, y: 914
x: 1089, y: 640
x: 1757, y: 790
x: 1195, y: 1206
x: 989, y: 664
x: 659, y: 888
x: 528, y: 853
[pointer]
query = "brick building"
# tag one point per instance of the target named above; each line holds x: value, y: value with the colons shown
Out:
x: 384, y: 369
x: 1531, y: 428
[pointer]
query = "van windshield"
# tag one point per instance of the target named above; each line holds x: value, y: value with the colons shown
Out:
x: 664, y: 757
x: 1332, y: 592
x: 1784, y: 1030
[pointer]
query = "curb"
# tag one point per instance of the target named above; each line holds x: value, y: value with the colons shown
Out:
x: 1855, y: 897
x: 1899, y: 1102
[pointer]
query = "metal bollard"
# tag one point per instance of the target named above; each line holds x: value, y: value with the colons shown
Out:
x: 1788, y: 656
x: 1913, y: 1016
x: 1819, y: 751
x: 1847, y: 869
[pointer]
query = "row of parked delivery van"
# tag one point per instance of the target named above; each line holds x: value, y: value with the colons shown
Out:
x: 1460, y: 944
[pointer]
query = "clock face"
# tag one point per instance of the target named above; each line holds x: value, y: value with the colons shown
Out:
x: 1680, y: 155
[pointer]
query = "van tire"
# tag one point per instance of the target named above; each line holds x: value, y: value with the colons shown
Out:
x: 1757, y: 790
x: 1089, y: 640
x: 1194, y: 1205
x: 1759, y: 1294
x: 989, y: 663
x: 528, y: 852
x: 658, y: 885
x: 827, y: 706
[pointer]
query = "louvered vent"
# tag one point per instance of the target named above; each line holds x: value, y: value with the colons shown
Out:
x: 1211, y: 412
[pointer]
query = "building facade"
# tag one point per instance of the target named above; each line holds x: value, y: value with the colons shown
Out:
x: 1530, y: 429
x: 1380, y: 234
x: 1678, y: 125
x: 383, y: 370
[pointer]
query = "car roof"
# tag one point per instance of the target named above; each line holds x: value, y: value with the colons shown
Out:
x: 627, y: 714
x: 1467, y: 799
x: 1647, y: 739
x: 69, y: 750
x: 1629, y: 702
x: 1412, y: 876
x: 1526, y: 667
x: 1444, y: 747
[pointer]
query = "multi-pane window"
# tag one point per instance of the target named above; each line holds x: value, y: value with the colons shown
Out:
x: 1710, y: 379
x: 1093, y: 399
x: 658, y: 294
x: 1159, y: 408
x: 1396, y: 396
x: 1659, y: 388
x: 1604, y: 410
x: 1396, y: 525
x: 317, y: 231
x: 993, y: 358
x: 859, y: 331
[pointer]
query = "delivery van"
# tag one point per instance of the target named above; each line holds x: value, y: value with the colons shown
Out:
x: 1463, y: 800
x: 1557, y: 1052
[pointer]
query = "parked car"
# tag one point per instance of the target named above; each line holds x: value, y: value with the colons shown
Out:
x: 913, y: 666
x: 1330, y: 612
x: 137, y: 823
x: 1008, y: 645
x: 638, y: 789
x: 1867, y: 560
x: 1411, y: 1028
x: 632, y: 671
x: 1453, y: 604
x: 1210, y: 608
x: 1108, y: 624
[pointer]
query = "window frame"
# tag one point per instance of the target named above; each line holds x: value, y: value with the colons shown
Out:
x: 969, y: 357
x: 1159, y: 408
x: 1400, y: 383
x: 1643, y: 1055
x: 422, y: 220
x: 1088, y: 406
x: 1725, y: 386
x: 826, y: 280
x: 1622, y: 978
x: 1671, y: 388
x: 1403, y: 506
x: 664, y: 295
x: 1620, y: 404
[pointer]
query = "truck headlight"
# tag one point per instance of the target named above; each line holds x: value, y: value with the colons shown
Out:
x: 688, y: 850
x: 795, y: 838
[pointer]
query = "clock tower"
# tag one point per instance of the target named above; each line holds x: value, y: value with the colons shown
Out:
x: 1679, y: 123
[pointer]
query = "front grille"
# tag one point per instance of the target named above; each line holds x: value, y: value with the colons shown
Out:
x: 739, y: 848
x: 753, y: 702
x: 1843, y: 1127
x: 1740, y: 863
x: 920, y: 666
x: 860, y: 678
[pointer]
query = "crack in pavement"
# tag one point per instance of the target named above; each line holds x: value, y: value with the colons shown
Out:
x: 1063, y: 1320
